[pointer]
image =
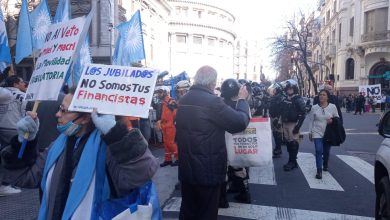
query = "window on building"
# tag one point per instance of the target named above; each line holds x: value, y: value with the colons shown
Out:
x: 181, y: 39
x: 211, y: 42
x: 334, y: 36
x: 197, y: 40
x: 199, y: 14
x: 328, y: 16
x: 349, y: 69
x: 323, y: 21
x: 185, y: 11
x: 340, y: 33
x: 351, y: 26
x: 334, y: 7
x: 376, y: 20
x: 178, y: 10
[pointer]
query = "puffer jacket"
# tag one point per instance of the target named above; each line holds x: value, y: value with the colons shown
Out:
x: 201, y: 121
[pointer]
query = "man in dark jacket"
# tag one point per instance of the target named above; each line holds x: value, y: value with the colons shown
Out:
x: 201, y: 121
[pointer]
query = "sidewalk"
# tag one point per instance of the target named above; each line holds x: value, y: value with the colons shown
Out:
x: 25, y: 205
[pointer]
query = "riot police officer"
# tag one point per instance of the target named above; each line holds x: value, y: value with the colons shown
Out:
x: 237, y: 176
x: 293, y: 114
x: 276, y: 98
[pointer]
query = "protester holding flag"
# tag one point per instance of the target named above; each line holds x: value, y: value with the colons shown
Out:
x: 94, y: 159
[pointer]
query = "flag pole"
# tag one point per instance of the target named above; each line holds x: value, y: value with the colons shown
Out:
x: 12, y: 71
x: 24, y: 143
x: 33, y: 56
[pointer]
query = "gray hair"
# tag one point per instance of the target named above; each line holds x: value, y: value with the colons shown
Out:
x: 206, y: 76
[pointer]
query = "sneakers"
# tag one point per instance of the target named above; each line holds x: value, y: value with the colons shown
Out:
x: 176, y: 163
x: 290, y: 166
x: 166, y: 163
x: 8, y: 190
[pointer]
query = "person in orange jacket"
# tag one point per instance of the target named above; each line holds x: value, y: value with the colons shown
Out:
x: 166, y: 122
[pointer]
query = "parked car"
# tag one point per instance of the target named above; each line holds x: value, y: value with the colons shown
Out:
x: 382, y: 171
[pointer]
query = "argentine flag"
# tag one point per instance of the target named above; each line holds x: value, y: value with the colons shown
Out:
x: 5, y: 55
x: 129, y: 47
x: 40, y: 21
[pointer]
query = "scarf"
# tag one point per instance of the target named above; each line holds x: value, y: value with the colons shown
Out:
x: 90, y: 185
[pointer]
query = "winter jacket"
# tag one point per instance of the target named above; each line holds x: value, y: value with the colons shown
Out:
x: 129, y: 163
x: 334, y: 133
x: 201, y: 121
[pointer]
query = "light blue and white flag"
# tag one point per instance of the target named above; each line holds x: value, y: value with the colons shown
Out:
x: 62, y: 12
x: 5, y: 55
x: 129, y: 47
x: 84, y: 58
x: 40, y: 21
x: 23, y: 37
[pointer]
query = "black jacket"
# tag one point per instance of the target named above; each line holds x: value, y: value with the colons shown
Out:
x: 334, y: 133
x: 201, y: 121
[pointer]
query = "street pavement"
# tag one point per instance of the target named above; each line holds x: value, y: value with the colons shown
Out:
x: 346, y: 191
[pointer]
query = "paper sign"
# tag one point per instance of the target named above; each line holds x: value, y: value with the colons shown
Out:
x: 117, y: 90
x: 54, y: 60
x: 372, y: 91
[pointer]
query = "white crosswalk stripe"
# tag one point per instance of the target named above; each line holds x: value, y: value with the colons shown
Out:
x: 262, y: 175
x: 250, y: 211
x: 365, y: 169
x: 307, y: 164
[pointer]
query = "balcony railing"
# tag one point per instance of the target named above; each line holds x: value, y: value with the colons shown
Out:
x: 375, y: 36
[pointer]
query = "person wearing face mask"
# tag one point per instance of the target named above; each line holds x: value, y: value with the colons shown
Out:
x: 94, y: 159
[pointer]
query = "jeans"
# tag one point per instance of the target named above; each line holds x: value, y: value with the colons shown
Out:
x: 322, y: 152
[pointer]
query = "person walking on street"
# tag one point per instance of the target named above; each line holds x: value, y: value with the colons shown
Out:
x: 277, y: 96
x: 360, y: 101
x: 166, y: 121
x: 293, y: 114
x: 202, y: 120
x: 320, y: 116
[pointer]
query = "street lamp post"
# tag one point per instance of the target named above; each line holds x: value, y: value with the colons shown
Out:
x: 110, y: 28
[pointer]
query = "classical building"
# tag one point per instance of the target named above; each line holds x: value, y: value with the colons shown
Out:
x: 354, y: 43
x: 247, y: 60
x: 200, y: 33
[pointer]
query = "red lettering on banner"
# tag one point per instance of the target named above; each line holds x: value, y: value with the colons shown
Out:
x: 113, y: 98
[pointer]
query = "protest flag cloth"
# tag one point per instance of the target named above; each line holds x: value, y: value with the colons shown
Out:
x: 129, y: 47
x: 23, y: 37
x: 5, y: 55
x: 40, y: 21
x: 62, y: 12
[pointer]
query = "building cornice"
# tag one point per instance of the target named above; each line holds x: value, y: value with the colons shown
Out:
x: 204, y: 4
x: 204, y: 26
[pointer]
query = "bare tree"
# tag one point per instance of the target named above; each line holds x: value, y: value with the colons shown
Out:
x: 298, y: 42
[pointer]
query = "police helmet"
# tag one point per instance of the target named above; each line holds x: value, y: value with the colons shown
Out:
x: 230, y: 88
x: 274, y: 89
x: 183, y: 85
x: 290, y: 83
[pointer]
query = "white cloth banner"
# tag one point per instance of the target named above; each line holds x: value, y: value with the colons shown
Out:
x: 372, y: 91
x: 54, y: 60
x: 252, y: 147
x: 117, y: 90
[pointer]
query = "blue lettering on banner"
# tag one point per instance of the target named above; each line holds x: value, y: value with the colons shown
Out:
x: 93, y: 71
x: 127, y: 73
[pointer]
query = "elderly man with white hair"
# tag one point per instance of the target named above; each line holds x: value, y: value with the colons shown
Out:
x: 201, y: 121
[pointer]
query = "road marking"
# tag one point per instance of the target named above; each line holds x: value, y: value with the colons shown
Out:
x: 250, y: 211
x: 364, y: 168
x: 262, y: 175
x: 348, y: 133
x: 307, y: 163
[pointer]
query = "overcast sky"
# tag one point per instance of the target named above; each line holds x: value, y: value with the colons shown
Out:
x: 263, y: 19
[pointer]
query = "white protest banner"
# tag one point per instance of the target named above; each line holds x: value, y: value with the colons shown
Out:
x: 54, y: 60
x: 252, y: 147
x: 117, y: 90
x: 372, y: 91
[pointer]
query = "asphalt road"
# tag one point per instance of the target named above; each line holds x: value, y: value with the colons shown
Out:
x: 346, y: 192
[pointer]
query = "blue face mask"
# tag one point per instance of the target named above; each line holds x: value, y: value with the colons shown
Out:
x: 69, y: 128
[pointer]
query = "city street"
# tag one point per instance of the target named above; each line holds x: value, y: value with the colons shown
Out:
x: 346, y: 192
